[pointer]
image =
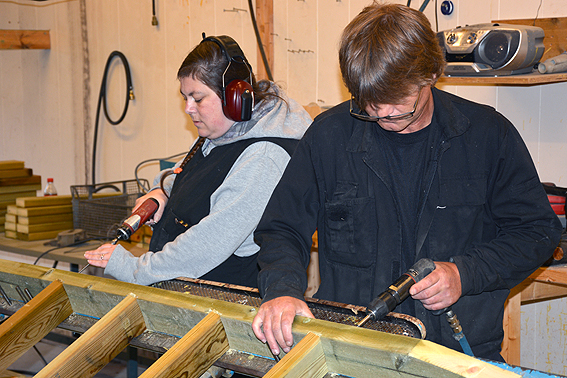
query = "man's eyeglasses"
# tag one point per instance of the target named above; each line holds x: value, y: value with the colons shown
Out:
x: 357, y: 113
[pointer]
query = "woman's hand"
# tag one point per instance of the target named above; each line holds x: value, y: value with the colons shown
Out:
x: 159, y: 196
x: 100, y: 256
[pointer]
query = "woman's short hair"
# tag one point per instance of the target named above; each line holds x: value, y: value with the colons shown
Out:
x: 386, y: 52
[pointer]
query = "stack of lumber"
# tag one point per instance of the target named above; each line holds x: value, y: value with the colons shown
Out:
x: 15, y: 181
x: 36, y: 218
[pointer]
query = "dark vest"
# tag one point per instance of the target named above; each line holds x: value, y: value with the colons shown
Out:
x: 189, y: 202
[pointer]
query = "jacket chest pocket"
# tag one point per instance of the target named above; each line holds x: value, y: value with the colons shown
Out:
x: 350, y: 231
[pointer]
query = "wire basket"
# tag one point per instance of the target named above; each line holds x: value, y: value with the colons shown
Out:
x: 99, y: 209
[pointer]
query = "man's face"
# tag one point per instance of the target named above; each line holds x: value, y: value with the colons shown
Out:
x: 419, y: 105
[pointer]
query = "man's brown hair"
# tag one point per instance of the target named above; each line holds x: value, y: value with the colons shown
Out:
x: 388, y: 51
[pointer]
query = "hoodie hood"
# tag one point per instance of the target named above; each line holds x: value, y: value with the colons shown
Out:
x: 278, y: 117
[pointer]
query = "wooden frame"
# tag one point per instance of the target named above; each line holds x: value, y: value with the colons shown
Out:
x: 338, y: 348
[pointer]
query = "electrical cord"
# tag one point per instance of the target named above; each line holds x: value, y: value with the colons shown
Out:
x: 259, y: 40
x: 70, y: 245
x: 140, y: 184
x: 102, y: 100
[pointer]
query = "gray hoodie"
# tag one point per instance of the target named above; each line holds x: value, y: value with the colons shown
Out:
x: 235, y: 207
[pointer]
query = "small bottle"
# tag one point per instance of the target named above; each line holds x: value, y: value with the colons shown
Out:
x: 50, y: 188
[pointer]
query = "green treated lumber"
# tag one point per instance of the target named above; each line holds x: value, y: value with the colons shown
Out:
x: 194, y: 353
x: 32, y: 322
x: 306, y: 359
x: 100, y: 344
x: 348, y: 350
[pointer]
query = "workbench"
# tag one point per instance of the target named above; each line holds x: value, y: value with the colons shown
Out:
x: 72, y: 255
x: 546, y: 283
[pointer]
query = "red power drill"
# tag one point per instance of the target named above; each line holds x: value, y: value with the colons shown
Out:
x: 139, y: 216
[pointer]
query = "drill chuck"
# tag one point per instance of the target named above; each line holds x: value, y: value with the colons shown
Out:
x: 398, y: 291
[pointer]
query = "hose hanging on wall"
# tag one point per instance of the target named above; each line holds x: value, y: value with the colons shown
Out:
x: 102, y: 100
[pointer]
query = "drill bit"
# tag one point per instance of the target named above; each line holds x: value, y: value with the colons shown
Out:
x: 114, y: 241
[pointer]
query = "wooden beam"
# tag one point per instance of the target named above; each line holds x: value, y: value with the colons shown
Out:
x: 306, y: 359
x: 24, y: 39
x: 194, y: 353
x: 32, y: 322
x: 512, y: 326
x: 100, y: 344
x: 265, y: 21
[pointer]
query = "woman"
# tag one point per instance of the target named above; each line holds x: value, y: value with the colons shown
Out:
x: 212, y: 201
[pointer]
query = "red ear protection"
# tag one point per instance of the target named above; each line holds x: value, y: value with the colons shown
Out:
x: 238, y: 100
x: 238, y: 95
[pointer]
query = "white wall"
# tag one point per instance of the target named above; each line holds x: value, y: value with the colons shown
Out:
x: 48, y: 98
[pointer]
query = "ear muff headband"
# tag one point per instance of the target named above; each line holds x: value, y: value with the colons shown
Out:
x: 238, y: 95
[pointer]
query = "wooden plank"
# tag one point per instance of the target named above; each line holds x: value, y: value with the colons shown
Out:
x: 528, y: 79
x: 10, y: 226
x: 12, y: 209
x: 33, y: 179
x: 44, y: 201
x: 11, y: 374
x: 41, y: 211
x: 349, y: 350
x: 10, y: 234
x: 19, y: 188
x: 306, y: 359
x: 11, y: 218
x: 36, y: 228
x: 12, y: 196
x: 65, y: 217
x: 32, y: 322
x: 555, y: 29
x: 24, y: 39
x: 512, y: 326
x: 194, y: 353
x: 37, y: 235
x: 265, y: 21
x: 551, y: 274
x: 12, y: 164
x: 11, y: 173
x: 100, y: 344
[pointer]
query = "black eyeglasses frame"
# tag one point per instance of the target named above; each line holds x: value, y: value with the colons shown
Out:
x: 396, y: 117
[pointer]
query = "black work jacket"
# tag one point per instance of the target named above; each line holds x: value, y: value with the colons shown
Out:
x: 481, y: 206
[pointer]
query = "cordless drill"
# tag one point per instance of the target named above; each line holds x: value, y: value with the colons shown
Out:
x: 131, y: 224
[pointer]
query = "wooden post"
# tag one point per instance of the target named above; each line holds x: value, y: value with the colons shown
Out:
x: 24, y: 39
x: 265, y: 21
x: 306, y: 359
x: 100, y: 344
x: 32, y: 322
x: 194, y: 353
x: 512, y: 327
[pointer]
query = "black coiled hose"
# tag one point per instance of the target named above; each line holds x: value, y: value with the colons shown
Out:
x: 102, y: 100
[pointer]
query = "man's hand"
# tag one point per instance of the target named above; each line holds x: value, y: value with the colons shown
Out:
x: 159, y: 196
x: 440, y: 289
x: 275, y: 317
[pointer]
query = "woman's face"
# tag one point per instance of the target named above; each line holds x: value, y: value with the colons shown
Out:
x: 205, y: 108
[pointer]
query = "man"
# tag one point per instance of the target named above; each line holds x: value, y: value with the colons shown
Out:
x: 401, y: 172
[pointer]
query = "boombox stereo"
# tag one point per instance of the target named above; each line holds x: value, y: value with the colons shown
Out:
x: 491, y: 49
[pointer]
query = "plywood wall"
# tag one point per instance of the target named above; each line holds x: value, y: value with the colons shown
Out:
x: 48, y: 98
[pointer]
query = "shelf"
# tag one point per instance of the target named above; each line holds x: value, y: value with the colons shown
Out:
x: 24, y: 39
x: 526, y: 79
